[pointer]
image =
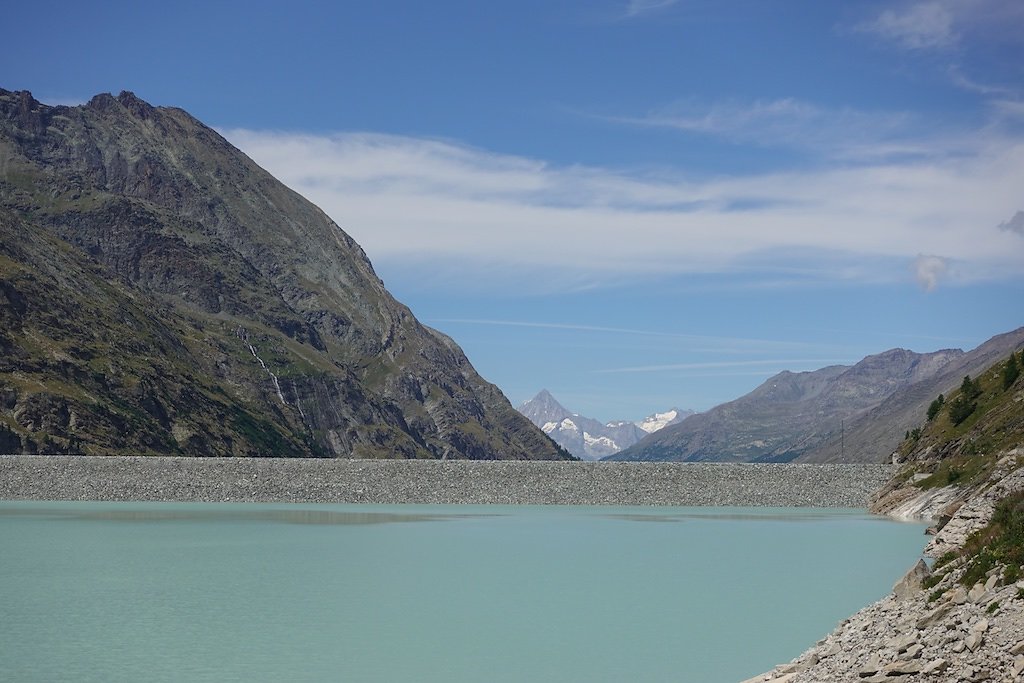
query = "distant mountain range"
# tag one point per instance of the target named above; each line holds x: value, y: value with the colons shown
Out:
x: 853, y: 413
x: 590, y: 439
x: 875, y: 434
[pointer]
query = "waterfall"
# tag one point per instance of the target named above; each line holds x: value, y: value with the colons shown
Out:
x: 244, y: 336
x: 277, y: 384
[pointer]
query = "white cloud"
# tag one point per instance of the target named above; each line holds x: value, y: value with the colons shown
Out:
x: 929, y: 270
x: 777, y: 363
x: 1015, y: 224
x: 716, y: 344
x: 788, y: 122
x: 638, y: 7
x: 918, y: 25
x: 458, y: 214
x: 945, y: 24
x: 1009, y: 111
x: 961, y: 80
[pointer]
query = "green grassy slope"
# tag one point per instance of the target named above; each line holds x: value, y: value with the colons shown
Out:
x: 970, y: 428
x: 966, y: 443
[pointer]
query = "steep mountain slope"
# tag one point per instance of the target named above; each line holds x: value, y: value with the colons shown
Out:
x: 962, y: 467
x: 961, y: 446
x: 873, y: 436
x: 587, y: 438
x: 259, y: 297
x: 791, y: 413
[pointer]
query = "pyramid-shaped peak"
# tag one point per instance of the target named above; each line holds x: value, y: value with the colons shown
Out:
x: 544, y: 408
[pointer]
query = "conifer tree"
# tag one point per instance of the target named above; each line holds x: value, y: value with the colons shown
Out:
x: 970, y: 388
x: 1011, y: 371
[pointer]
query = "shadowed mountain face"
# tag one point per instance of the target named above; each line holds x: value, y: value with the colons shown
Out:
x: 792, y: 413
x: 162, y: 293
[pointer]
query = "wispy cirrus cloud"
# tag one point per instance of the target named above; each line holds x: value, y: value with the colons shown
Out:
x: 789, y: 122
x: 719, y: 344
x: 961, y: 80
x: 636, y: 8
x: 479, y: 216
x: 779, y: 363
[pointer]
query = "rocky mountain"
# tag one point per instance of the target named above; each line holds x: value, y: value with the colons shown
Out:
x: 874, y: 435
x: 790, y: 414
x: 161, y: 293
x: 587, y: 438
x: 544, y: 408
x: 960, y: 618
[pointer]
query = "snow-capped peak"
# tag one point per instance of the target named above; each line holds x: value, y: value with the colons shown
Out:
x: 586, y: 437
x: 602, y: 442
x: 653, y: 423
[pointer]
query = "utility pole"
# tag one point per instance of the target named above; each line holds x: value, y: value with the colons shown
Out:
x: 842, y: 439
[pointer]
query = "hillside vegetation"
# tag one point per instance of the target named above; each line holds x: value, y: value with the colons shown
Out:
x: 963, y: 434
x: 964, y: 452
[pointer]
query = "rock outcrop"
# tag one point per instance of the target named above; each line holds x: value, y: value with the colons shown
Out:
x: 161, y: 293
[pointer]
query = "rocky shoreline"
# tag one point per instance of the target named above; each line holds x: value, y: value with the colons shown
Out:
x: 946, y: 632
x: 126, y: 478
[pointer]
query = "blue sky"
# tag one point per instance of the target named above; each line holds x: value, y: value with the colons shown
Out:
x: 633, y: 203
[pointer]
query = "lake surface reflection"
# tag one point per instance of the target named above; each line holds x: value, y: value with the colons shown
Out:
x: 250, y: 592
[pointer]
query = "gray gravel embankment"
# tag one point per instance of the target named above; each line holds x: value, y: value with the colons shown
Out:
x: 448, y: 482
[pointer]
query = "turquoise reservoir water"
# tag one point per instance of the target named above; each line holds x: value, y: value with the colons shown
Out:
x: 239, y: 592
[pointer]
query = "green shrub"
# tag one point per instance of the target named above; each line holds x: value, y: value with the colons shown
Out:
x: 1000, y: 542
x: 935, y: 407
x: 993, y: 607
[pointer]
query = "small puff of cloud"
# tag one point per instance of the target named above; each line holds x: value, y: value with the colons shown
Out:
x: 921, y: 25
x: 1015, y: 224
x: 944, y: 24
x: 929, y: 269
